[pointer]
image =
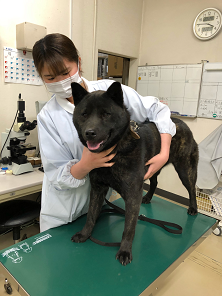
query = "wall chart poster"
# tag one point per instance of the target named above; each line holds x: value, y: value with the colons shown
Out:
x: 177, y: 86
x: 19, y: 67
x: 210, y: 105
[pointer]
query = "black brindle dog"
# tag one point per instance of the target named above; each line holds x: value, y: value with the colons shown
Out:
x: 102, y: 120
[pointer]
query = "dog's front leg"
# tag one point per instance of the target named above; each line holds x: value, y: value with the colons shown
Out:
x: 97, y: 196
x: 132, y: 207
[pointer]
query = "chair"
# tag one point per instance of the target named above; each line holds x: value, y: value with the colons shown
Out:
x: 16, y: 213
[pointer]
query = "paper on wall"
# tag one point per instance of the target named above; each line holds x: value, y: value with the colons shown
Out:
x: 19, y: 67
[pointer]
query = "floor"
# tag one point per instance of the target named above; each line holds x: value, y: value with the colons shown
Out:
x: 199, y: 274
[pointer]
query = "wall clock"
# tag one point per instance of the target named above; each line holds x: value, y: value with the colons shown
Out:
x: 207, y: 24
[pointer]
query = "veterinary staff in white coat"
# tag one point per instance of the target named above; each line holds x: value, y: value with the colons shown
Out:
x: 66, y: 162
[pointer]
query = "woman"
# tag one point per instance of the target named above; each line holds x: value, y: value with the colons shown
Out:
x: 66, y: 187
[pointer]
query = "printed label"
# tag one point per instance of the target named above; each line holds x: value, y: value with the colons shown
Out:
x: 13, y: 253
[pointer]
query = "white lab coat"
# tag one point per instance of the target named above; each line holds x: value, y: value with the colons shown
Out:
x: 65, y: 198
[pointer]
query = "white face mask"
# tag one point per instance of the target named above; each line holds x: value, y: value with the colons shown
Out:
x: 63, y: 88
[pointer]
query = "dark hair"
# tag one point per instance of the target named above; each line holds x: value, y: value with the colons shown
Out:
x: 52, y: 49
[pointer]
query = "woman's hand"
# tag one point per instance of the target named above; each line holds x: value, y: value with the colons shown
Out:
x: 156, y: 163
x: 90, y: 161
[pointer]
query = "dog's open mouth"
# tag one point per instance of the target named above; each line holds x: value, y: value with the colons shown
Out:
x: 93, y: 146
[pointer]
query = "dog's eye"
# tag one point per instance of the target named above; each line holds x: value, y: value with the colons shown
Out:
x: 106, y: 114
x: 84, y: 114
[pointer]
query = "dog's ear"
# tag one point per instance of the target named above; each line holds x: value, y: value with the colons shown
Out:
x: 78, y: 92
x: 115, y: 93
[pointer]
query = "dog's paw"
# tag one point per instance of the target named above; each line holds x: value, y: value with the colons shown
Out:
x: 192, y: 211
x: 146, y: 200
x: 124, y: 257
x: 79, y: 238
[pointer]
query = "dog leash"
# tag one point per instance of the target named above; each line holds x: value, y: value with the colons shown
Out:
x: 117, y: 210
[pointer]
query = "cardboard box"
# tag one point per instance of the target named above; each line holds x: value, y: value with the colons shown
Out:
x: 115, y: 66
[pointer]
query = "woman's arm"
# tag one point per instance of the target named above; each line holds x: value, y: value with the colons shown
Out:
x: 158, y: 161
x: 149, y: 107
x: 56, y: 158
x: 142, y: 108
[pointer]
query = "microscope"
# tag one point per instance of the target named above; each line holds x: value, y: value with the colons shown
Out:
x: 13, y: 142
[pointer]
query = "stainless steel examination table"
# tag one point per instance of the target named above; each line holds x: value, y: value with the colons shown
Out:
x: 50, y: 264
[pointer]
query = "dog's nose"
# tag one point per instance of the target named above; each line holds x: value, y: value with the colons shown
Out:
x: 90, y: 134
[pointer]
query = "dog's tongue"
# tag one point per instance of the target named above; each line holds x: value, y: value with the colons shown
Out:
x: 92, y: 146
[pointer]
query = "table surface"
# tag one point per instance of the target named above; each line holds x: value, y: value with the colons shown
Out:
x: 11, y: 183
x: 50, y: 264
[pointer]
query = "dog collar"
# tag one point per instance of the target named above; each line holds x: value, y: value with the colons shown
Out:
x: 134, y: 129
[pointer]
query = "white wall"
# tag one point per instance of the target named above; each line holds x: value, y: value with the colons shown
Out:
x: 83, y: 20
x: 119, y: 30
x: 167, y: 38
x: 111, y: 25
x: 52, y: 14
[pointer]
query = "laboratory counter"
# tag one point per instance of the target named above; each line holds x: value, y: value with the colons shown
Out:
x: 21, y: 185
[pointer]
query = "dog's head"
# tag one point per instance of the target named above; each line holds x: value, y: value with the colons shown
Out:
x: 100, y: 117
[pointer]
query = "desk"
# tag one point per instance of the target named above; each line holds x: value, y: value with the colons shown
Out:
x: 17, y: 186
x: 49, y: 264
